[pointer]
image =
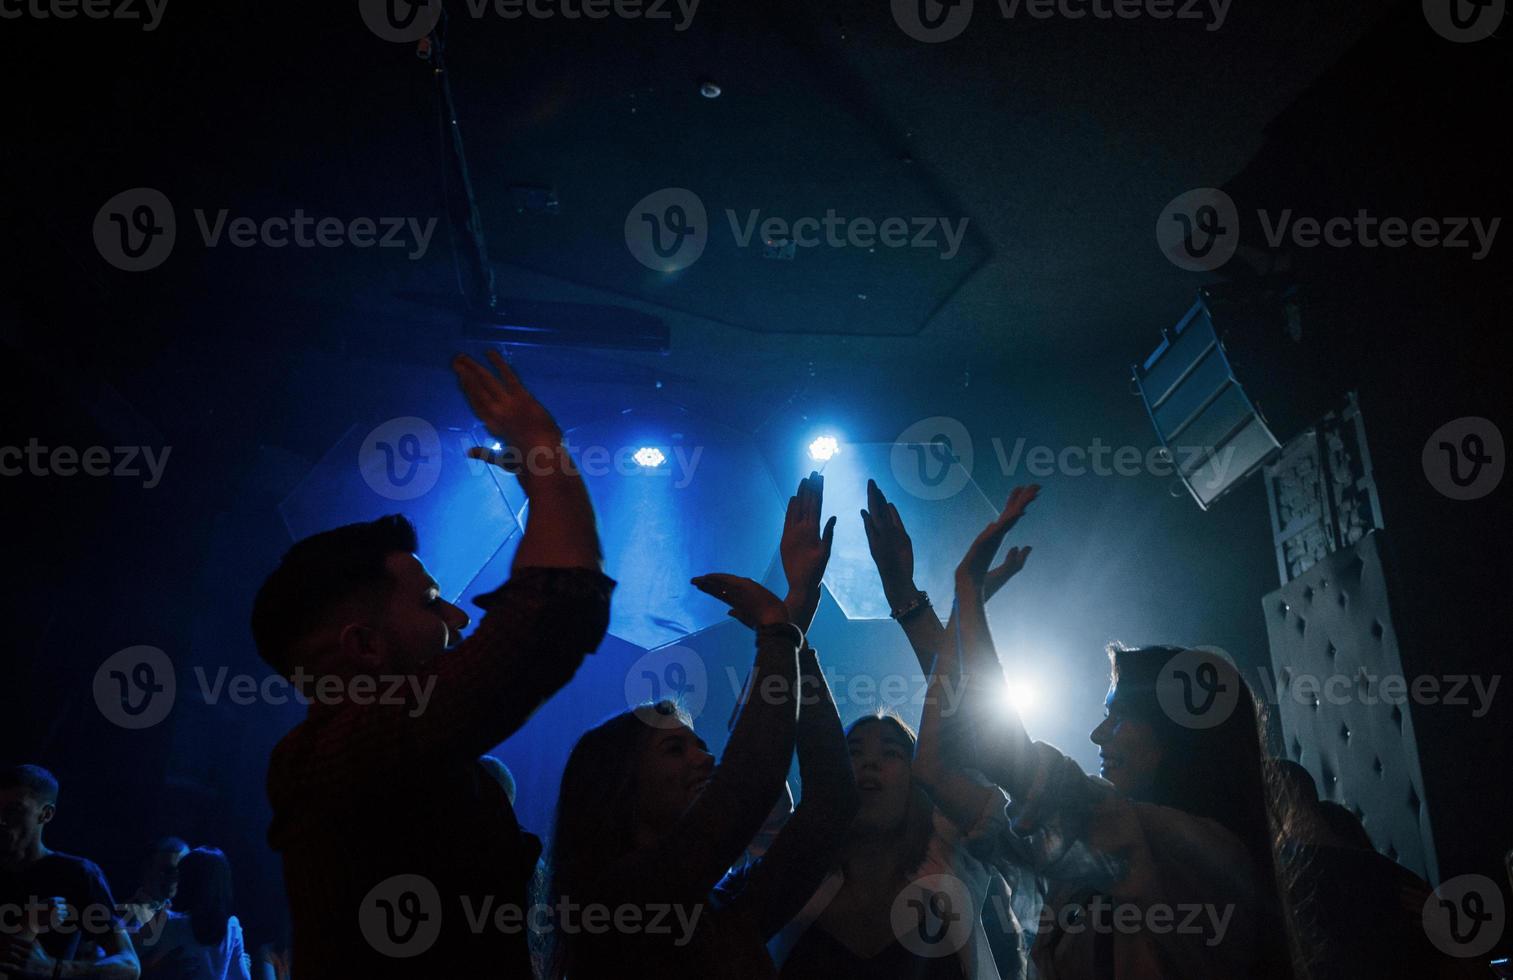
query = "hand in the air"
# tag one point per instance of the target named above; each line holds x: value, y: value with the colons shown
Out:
x: 892, y: 550
x: 805, y: 551
x: 974, y: 568
x: 506, y: 408
x: 748, y: 601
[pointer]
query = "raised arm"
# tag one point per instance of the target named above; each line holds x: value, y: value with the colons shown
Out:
x: 561, y: 531
x: 805, y: 550
x: 1003, y: 747
x: 540, y: 624
x: 785, y: 878
x: 893, y: 554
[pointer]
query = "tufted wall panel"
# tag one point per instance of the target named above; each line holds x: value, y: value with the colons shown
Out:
x: 1344, y: 708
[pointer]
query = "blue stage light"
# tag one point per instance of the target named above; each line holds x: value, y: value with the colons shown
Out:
x: 823, y: 448
x: 649, y: 457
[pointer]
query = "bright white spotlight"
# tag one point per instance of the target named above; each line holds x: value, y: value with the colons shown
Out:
x: 496, y: 446
x: 823, y: 448
x: 1021, y: 696
x: 649, y: 457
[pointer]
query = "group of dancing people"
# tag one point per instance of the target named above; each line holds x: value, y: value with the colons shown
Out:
x: 960, y: 849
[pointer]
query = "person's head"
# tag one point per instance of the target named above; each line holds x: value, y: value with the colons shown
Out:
x: 1342, y: 827
x: 354, y: 599
x: 204, y: 893
x: 626, y: 780
x: 1212, y: 766
x: 28, y: 800
x: 501, y: 774
x: 160, y: 870
x: 882, y: 758
x: 1199, y: 751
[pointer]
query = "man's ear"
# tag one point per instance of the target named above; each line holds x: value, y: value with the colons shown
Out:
x: 359, y: 644
x: 48, y: 811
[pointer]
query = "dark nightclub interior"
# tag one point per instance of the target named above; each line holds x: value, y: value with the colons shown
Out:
x: 1209, y: 291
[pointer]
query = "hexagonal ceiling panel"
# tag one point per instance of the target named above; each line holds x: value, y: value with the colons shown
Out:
x: 941, y: 528
x: 677, y: 496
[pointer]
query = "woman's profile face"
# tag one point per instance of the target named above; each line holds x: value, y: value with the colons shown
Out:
x: 672, y: 767
x: 881, y: 759
x: 1128, y: 749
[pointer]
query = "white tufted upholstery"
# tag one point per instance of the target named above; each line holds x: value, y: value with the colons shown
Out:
x: 1334, y: 621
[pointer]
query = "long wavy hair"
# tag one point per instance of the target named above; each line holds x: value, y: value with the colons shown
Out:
x: 1217, y: 767
x: 595, y: 823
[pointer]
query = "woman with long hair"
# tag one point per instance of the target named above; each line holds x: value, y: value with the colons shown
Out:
x: 1164, y: 867
x: 202, y: 939
x: 648, y: 824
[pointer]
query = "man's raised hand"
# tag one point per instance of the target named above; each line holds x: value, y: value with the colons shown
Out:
x: 507, y: 409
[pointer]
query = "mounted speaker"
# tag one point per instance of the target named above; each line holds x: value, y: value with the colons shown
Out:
x: 1210, y: 428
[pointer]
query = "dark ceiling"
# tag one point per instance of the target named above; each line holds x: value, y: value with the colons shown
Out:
x: 1057, y: 141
